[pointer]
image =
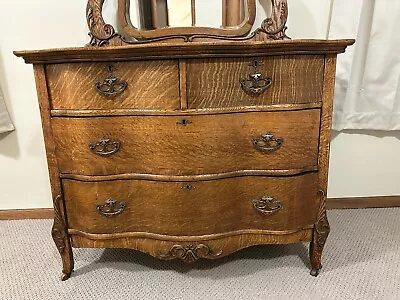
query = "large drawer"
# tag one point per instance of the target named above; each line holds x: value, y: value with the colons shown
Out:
x: 192, y: 208
x: 216, y: 82
x: 149, y: 85
x: 187, y: 145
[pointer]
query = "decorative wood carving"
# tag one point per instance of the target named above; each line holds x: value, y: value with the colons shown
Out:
x: 320, y: 235
x: 59, y: 231
x: 275, y: 26
x: 186, y: 33
x: 190, y: 253
x: 102, y: 34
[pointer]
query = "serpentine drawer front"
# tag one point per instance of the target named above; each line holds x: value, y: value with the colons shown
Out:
x: 252, y: 81
x: 191, y: 208
x: 188, y: 144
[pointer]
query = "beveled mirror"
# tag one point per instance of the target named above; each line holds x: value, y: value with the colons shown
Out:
x: 151, y: 19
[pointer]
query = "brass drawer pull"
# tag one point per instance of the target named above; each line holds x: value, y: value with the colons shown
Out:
x: 267, y: 205
x: 111, y: 86
x: 267, y: 142
x: 111, y: 208
x: 105, y: 147
x: 184, y: 122
x: 256, y: 83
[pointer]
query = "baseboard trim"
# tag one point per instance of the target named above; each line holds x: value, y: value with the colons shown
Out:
x: 331, y: 203
x: 21, y: 214
x: 363, y: 202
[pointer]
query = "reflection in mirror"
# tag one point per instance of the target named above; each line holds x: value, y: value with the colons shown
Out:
x: 152, y: 14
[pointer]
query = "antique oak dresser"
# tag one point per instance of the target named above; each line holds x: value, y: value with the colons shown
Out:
x: 188, y: 143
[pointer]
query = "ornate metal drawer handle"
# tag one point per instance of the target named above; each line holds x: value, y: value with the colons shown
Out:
x: 267, y: 142
x: 111, y: 86
x: 105, y: 147
x: 256, y: 83
x: 111, y: 208
x: 184, y: 122
x: 267, y: 205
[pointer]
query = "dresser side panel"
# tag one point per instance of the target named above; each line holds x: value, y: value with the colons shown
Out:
x: 60, y: 225
x: 326, y: 122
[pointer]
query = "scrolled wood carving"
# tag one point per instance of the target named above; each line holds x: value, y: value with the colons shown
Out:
x: 190, y: 253
x: 320, y: 235
x: 58, y: 231
x: 322, y: 227
x: 274, y: 27
x: 100, y: 33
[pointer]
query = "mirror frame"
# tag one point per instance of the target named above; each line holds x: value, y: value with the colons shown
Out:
x: 187, y: 32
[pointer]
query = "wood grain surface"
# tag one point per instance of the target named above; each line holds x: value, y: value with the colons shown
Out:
x: 209, y: 144
x: 172, y: 50
x: 173, y: 209
x: 228, y: 245
x: 151, y: 85
x: 216, y: 82
x: 59, y: 229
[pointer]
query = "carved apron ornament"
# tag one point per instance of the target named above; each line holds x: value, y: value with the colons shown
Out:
x: 190, y: 253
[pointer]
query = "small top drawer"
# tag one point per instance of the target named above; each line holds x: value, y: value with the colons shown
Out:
x: 235, y: 82
x: 136, y: 84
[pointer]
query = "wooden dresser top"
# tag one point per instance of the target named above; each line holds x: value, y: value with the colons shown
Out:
x: 148, y: 51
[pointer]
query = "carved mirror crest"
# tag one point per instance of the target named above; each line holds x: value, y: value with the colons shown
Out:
x: 144, y: 21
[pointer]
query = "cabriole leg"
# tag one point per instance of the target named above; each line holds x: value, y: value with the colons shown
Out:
x: 320, y: 234
x: 61, y: 239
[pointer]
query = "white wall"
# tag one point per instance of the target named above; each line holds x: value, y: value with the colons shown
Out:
x: 363, y: 164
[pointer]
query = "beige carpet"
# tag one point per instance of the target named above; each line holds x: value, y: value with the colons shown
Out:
x: 361, y: 261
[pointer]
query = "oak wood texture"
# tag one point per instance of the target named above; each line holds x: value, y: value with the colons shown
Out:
x: 331, y: 204
x: 158, y: 145
x: 189, y: 162
x: 150, y: 85
x: 191, y: 208
x: 60, y: 224
x: 182, y: 153
x: 150, y: 51
x: 215, y: 82
x: 322, y: 228
x: 221, y: 245
x: 182, y: 112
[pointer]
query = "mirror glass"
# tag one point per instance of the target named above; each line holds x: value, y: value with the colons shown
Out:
x: 153, y: 14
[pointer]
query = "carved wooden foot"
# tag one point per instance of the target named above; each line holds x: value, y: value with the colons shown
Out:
x: 320, y: 234
x: 61, y: 239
